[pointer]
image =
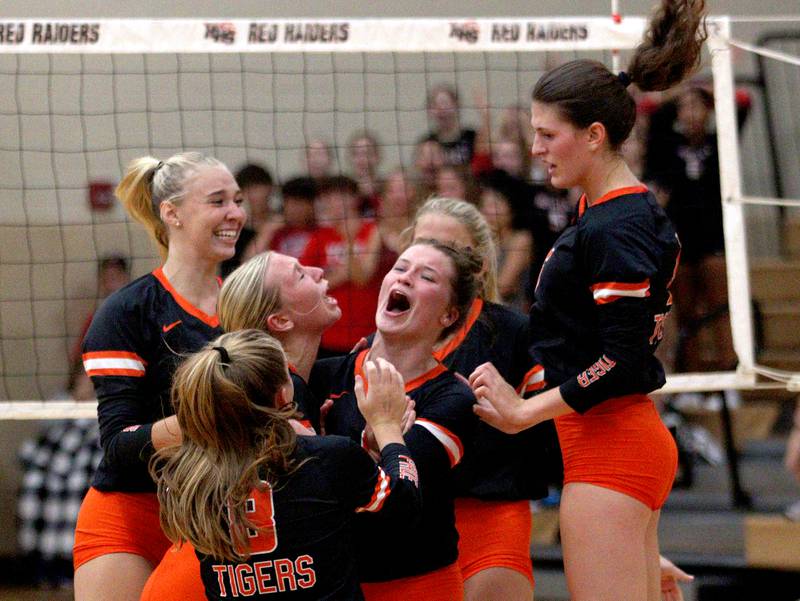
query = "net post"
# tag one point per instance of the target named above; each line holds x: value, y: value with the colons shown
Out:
x: 616, y: 17
x: 731, y: 188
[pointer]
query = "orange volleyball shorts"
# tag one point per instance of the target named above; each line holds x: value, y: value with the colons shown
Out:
x: 494, y: 534
x: 118, y: 522
x: 623, y: 445
x: 444, y: 584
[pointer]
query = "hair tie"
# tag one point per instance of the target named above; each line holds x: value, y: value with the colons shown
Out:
x: 223, y: 354
x: 154, y: 171
x: 624, y: 79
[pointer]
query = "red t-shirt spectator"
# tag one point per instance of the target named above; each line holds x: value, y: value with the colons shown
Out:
x: 291, y: 240
x: 327, y: 249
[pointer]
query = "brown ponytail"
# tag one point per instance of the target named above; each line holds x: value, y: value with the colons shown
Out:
x: 586, y: 92
x: 234, y: 437
x: 671, y: 47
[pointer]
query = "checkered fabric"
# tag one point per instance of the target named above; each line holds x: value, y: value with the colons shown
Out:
x: 57, y: 471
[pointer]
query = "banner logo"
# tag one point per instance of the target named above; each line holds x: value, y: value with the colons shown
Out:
x: 468, y: 32
x: 221, y: 33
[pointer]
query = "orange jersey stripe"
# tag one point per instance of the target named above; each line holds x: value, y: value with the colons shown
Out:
x: 532, y: 380
x: 450, y: 442
x: 607, y: 292
x: 379, y: 495
x: 113, y: 355
x: 133, y: 373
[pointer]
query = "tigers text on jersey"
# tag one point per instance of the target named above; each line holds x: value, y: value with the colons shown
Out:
x: 304, y: 550
x: 602, y: 297
x: 136, y: 341
x: 445, y: 426
x: 497, y: 465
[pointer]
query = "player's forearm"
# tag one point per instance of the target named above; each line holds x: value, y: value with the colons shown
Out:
x: 166, y: 432
x: 547, y: 405
x: 387, y: 434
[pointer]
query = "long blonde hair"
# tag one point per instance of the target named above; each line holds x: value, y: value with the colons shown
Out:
x: 470, y: 217
x: 234, y: 437
x: 148, y: 182
x: 244, y: 302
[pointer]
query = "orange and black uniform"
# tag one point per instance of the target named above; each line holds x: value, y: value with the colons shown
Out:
x: 305, y: 550
x: 500, y: 473
x: 496, y: 465
x: 304, y: 399
x: 136, y: 340
x: 421, y: 557
x: 598, y: 316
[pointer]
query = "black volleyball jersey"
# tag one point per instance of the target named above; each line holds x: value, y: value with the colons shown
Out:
x: 304, y: 399
x: 444, y: 427
x: 498, y: 465
x: 135, y: 342
x: 305, y: 547
x: 602, y: 297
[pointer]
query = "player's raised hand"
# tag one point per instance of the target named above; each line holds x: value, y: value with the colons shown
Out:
x: 409, y: 415
x: 382, y: 398
x: 497, y: 402
x: 369, y: 441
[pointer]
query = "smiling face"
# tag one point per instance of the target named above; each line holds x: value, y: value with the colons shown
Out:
x: 560, y: 146
x: 416, y: 295
x: 210, y: 214
x: 303, y: 293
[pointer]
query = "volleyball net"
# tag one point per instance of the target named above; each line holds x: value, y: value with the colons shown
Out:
x: 82, y: 98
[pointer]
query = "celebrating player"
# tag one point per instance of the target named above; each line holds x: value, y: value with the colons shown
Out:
x: 425, y: 296
x: 191, y: 205
x: 499, y: 473
x: 269, y: 513
x: 600, y: 302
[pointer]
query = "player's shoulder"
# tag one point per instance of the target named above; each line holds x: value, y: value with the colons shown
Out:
x: 329, y: 448
x: 297, y: 380
x: 136, y: 298
x: 503, y: 316
x: 632, y: 204
x: 634, y: 217
x: 332, y: 370
x: 448, y: 385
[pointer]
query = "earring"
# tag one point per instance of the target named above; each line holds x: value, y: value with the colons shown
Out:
x: 177, y: 224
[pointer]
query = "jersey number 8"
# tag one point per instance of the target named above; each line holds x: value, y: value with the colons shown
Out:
x: 261, y: 512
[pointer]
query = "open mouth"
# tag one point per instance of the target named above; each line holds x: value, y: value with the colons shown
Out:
x: 328, y: 298
x: 397, y: 303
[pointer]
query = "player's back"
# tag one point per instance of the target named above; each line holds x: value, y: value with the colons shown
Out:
x: 305, y: 549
